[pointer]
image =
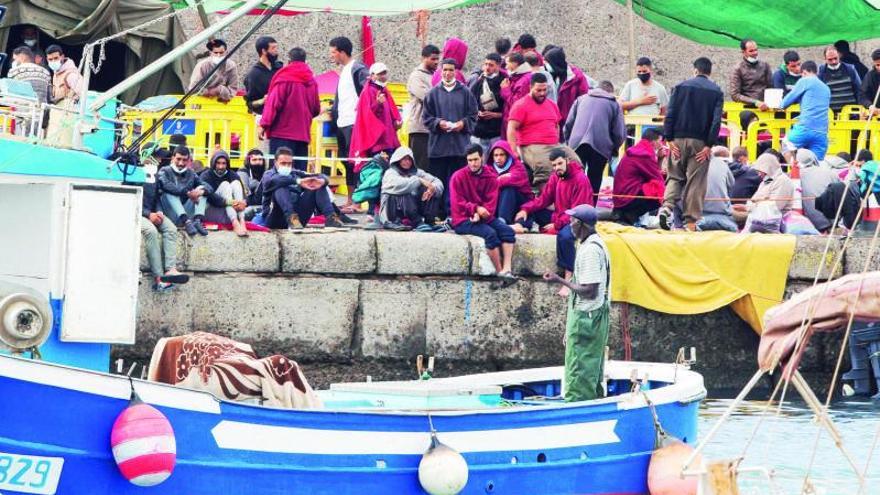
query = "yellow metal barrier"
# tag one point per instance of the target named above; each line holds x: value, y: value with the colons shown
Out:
x: 638, y: 124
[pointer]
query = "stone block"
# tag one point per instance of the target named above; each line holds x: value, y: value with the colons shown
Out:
x: 469, y: 320
x: 535, y: 254
x: 310, y: 317
x: 808, y: 257
x: 393, y: 318
x: 411, y: 253
x: 223, y: 251
x: 856, y: 254
x: 316, y: 251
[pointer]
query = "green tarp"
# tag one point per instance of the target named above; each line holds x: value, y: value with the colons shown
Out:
x: 772, y: 23
x: 350, y: 7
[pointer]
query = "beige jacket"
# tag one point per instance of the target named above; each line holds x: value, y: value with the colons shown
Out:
x: 777, y: 186
x: 418, y: 85
x: 223, y: 84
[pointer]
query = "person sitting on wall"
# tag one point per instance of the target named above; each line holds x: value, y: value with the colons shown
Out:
x: 717, y: 211
x: 223, y: 84
x: 567, y: 188
x: 745, y: 179
x: 226, y: 201
x: 251, y: 174
x: 514, y: 189
x: 409, y: 193
x: 638, y: 174
x: 184, y: 195
x: 473, y: 197
x: 291, y: 197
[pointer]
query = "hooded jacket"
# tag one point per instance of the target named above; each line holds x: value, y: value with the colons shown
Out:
x: 638, y: 167
x: 573, y: 84
x: 520, y: 83
x: 457, y: 50
x: 452, y: 106
x: 468, y: 190
x: 250, y: 177
x: 398, y: 182
x: 563, y: 193
x: 210, y: 178
x: 291, y: 104
x: 745, y: 182
x: 776, y: 186
x: 374, y: 128
x: 815, y: 179
x: 514, y: 173
x: 596, y: 119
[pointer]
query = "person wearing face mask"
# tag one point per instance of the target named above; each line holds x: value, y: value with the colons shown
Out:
x: 226, y: 201
x: 183, y: 194
x: 589, y: 304
x: 486, y: 88
x: 251, y: 174
x: 30, y: 37
x: 67, y: 82
x: 256, y: 81
x: 570, y: 81
x: 291, y: 104
x: 223, y: 84
x: 749, y: 80
x: 638, y: 174
x: 789, y: 73
x: 377, y: 119
x: 158, y: 231
x: 515, y: 86
x: 291, y: 197
x: 644, y: 95
x: 841, y: 78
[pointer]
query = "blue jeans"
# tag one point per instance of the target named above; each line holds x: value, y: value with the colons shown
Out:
x: 565, y: 249
x: 151, y: 233
x: 494, y: 233
x: 801, y: 137
x: 717, y: 221
x: 178, y: 212
x: 509, y: 202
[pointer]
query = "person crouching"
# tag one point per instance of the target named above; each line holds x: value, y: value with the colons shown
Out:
x: 291, y: 197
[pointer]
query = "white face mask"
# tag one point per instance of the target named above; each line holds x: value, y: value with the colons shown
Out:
x: 55, y: 65
x: 32, y: 42
x: 751, y: 60
x: 834, y: 67
x: 178, y: 171
x: 216, y: 59
x: 379, y: 83
x: 150, y: 169
x: 285, y: 171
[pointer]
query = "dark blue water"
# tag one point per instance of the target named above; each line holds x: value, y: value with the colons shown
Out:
x: 785, y: 442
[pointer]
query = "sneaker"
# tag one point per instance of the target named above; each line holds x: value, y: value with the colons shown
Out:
x: 397, y: 227
x: 293, y: 222
x: 423, y: 227
x: 197, y: 223
x: 163, y: 287
x: 347, y: 219
x: 332, y: 221
x: 190, y: 228
x: 665, y: 217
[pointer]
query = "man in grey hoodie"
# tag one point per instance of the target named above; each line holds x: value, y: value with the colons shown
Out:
x: 595, y: 130
x: 408, y: 193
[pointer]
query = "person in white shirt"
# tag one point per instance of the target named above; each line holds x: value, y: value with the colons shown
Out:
x: 643, y: 95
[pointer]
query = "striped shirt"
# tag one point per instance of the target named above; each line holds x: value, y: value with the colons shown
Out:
x: 591, y: 266
x: 38, y: 77
x: 840, y: 84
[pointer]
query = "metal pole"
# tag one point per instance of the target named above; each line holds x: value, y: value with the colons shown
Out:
x: 631, y: 16
x: 203, y: 16
x: 173, y: 55
x: 78, y: 132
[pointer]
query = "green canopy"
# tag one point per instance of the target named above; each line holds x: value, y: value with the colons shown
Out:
x: 351, y: 7
x: 772, y: 23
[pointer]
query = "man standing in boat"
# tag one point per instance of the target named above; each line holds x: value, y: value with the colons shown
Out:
x: 587, y: 324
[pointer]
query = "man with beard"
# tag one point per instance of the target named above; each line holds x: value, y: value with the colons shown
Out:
x: 223, y: 84
x: 256, y: 82
x: 487, y: 90
x: 589, y: 302
x: 534, y: 129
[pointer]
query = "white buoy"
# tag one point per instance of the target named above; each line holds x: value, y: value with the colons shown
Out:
x: 442, y: 470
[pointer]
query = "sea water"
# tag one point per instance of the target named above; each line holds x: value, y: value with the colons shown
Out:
x: 784, y: 441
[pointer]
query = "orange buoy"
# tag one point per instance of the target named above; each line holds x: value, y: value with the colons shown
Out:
x: 664, y: 470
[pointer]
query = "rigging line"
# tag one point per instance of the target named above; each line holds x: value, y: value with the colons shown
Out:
x: 868, y: 461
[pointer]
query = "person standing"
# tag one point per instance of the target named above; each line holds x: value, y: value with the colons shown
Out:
x: 352, y: 79
x: 749, y: 80
x: 223, y: 84
x: 691, y: 127
x: 533, y: 130
x: 788, y: 73
x: 256, y: 81
x: 418, y: 85
x: 533, y: 59
x: 377, y: 120
x: 842, y: 79
x: 24, y: 69
x: 515, y: 86
x: 595, y: 130
x: 450, y: 113
x: 589, y: 303
x: 811, y: 129
x: 848, y: 57
x: 454, y: 49
x: 487, y: 90
x: 67, y: 82
x: 571, y: 83
x: 644, y: 95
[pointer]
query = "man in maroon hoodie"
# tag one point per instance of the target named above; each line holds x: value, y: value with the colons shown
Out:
x: 638, y: 175
x: 568, y: 187
x: 514, y: 189
x: 473, y: 197
x: 377, y: 120
x: 291, y: 104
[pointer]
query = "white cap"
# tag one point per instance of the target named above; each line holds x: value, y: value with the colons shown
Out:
x: 378, y: 68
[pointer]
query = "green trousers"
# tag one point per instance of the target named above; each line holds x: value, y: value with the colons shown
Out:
x: 586, y: 335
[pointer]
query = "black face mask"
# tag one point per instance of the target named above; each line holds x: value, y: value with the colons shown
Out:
x: 644, y: 77
x: 271, y: 58
x: 257, y: 171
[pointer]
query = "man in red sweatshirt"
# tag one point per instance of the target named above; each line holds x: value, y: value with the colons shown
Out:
x: 377, y: 120
x: 291, y: 104
x: 473, y: 197
x: 568, y: 187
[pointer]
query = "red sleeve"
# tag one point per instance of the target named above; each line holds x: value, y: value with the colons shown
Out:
x: 545, y: 199
x: 314, y: 100
x: 518, y: 177
x: 274, y: 103
x: 395, y: 113
x: 517, y: 112
x: 491, y: 202
x: 584, y: 195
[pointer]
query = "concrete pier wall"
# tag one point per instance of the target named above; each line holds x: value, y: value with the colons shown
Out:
x: 342, y: 297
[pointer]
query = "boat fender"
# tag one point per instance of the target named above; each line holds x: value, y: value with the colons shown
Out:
x: 442, y: 470
x: 665, y: 468
x: 25, y: 317
x: 143, y: 444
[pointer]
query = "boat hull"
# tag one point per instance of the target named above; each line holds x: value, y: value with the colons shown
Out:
x: 598, y: 447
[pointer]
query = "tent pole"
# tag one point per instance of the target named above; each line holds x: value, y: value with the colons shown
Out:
x: 203, y: 16
x: 631, y: 16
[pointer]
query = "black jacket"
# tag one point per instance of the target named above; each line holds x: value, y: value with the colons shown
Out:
x: 151, y: 203
x: 694, y: 111
x: 869, y: 88
x: 170, y: 182
x: 256, y: 82
x: 359, y: 73
x: 488, y: 128
x: 855, y: 61
x: 210, y: 178
x: 745, y: 182
x: 273, y: 181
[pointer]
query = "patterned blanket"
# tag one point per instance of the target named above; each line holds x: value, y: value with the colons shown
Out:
x: 230, y: 370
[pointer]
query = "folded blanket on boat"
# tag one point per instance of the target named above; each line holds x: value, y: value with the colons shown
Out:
x: 690, y: 273
x: 230, y: 370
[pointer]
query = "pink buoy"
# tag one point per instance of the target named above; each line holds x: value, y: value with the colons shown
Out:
x: 143, y: 444
x: 664, y: 470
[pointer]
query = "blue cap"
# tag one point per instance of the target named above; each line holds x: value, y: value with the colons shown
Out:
x: 584, y: 213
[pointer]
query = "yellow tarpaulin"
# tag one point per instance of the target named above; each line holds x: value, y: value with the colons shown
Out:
x: 689, y: 273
